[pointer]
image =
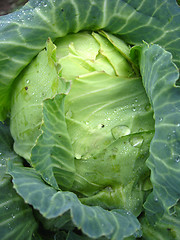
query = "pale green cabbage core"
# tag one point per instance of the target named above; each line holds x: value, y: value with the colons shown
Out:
x: 108, y: 116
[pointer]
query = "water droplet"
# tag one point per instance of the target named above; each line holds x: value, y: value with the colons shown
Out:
x: 155, y: 199
x: 69, y: 113
x: 78, y: 156
x: 160, y: 119
x: 148, y: 107
x: 10, y: 227
x: 109, y: 189
x: 120, y: 131
x: 47, y: 179
x: 27, y: 81
x: 136, y: 141
x: 178, y: 159
x: 134, y: 109
x: 169, y: 136
x: 13, y: 216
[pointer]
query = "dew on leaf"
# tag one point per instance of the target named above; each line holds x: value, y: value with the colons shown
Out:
x: 178, y: 159
x: 136, y: 141
x: 120, y: 131
x: 155, y: 199
x: 47, y: 179
x: 69, y: 113
x: 134, y: 109
x: 78, y: 156
x: 9, y: 225
x: 148, y: 107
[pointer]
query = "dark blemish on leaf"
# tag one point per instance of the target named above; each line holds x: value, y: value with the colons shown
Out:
x: 59, y: 136
x: 62, y: 10
x: 168, y: 229
x: 102, y: 125
x: 26, y: 88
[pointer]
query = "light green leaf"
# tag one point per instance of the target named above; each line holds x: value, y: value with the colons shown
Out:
x: 93, y: 221
x: 97, y: 103
x: 117, y: 60
x: 115, y: 177
x: 36, y: 83
x: 53, y: 155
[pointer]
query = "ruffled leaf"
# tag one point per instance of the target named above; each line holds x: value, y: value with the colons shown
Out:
x: 16, y: 217
x: 159, y: 76
x: 53, y: 155
x: 93, y: 221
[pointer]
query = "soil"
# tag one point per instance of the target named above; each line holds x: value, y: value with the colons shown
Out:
x: 7, y: 6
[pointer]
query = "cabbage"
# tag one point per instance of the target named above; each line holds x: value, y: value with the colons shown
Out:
x: 90, y: 113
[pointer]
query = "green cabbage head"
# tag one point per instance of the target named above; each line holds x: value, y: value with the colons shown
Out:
x: 81, y: 117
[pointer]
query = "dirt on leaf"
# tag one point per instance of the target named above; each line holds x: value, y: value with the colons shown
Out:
x: 7, y: 6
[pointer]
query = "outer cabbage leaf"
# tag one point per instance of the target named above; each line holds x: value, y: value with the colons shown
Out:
x: 159, y: 76
x: 93, y: 221
x: 24, y: 32
x: 16, y: 217
x: 167, y: 228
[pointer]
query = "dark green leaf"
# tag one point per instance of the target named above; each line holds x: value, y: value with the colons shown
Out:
x: 159, y: 75
x: 93, y: 221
